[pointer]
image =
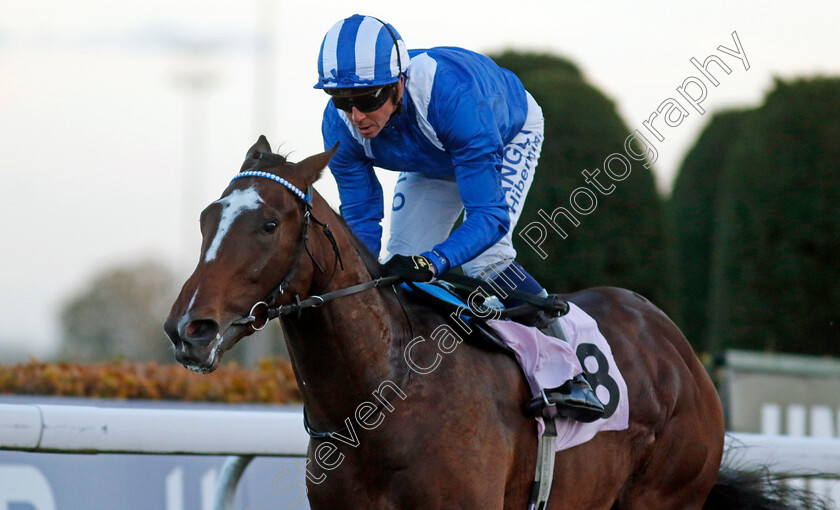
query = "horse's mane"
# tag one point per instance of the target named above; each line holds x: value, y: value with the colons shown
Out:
x: 371, y: 263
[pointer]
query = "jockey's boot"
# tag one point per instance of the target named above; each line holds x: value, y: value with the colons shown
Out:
x: 574, y: 398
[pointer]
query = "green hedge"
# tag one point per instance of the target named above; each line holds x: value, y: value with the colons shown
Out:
x: 691, y: 214
x: 757, y: 228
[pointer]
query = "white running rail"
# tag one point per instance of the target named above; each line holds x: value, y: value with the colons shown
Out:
x: 242, y: 435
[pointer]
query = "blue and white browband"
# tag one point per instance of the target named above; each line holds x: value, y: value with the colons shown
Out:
x: 294, y: 189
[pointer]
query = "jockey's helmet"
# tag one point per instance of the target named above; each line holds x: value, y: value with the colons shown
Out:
x: 360, y: 51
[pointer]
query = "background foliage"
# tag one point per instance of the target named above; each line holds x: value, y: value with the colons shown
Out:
x: 271, y: 381
x: 691, y: 215
x: 775, y: 277
x: 120, y: 314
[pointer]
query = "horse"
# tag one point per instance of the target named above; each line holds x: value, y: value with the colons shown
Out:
x: 405, y: 413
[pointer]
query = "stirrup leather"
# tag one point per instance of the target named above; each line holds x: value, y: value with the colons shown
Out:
x: 544, y: 474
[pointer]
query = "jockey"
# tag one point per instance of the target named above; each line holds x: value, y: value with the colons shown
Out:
x: 464, y: 135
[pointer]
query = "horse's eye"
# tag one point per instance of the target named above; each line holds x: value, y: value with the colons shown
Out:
x: 269, y: 227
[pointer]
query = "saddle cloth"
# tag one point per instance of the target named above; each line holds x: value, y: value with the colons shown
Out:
x: 548, y: 362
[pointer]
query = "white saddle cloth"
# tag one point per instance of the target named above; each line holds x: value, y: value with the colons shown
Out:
x: 548, y: 362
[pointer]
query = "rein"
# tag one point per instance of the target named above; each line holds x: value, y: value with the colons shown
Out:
x: 311, y: 302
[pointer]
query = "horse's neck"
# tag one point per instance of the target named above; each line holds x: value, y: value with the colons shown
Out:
x: 343, y: 350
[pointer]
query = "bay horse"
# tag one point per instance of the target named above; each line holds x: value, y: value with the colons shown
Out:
x: 451, y: 436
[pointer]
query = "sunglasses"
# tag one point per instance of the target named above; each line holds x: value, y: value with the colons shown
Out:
x: 365, y: 103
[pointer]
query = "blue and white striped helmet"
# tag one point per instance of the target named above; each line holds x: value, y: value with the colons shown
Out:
x: 361, y: 51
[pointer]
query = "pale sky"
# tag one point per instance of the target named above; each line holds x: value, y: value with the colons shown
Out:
x: 96, y: 122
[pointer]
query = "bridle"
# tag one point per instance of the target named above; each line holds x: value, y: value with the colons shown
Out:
x: 271, y: 312
x: 313, y: 301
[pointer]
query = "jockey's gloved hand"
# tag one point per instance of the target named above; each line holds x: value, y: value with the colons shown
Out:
x: 416, y: 268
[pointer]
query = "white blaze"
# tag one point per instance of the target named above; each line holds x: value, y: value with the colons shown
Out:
x: 232, y: 206
x: 183, y: 321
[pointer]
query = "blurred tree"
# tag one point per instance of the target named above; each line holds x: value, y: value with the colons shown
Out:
x: 120, y: 315
x: 691, y: 223
x: 774, y: 278
x: 529, y: 65
x: 620, y: 243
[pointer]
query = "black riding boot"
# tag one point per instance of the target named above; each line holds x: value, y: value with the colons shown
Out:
x: 574, y: 398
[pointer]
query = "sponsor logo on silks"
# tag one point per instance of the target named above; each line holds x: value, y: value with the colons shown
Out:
x: 517, y: 163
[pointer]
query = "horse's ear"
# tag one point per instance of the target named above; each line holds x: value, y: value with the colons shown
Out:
x: 253, y: 153
x: 262, y: 145
x: 311, y: 167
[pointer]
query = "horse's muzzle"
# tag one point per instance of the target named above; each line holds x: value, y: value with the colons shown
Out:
x: 193, y: 341
x: 196, y: 332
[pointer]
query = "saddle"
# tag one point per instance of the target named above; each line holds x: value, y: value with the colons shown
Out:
x: 474, y: 301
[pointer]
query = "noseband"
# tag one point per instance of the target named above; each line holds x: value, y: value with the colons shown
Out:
x: 312, y: 301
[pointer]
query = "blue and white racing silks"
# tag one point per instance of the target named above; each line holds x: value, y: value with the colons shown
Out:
x: 461, y: 109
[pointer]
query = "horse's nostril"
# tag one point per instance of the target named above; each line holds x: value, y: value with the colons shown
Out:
x: 171, y: 330
x: 202, y: 330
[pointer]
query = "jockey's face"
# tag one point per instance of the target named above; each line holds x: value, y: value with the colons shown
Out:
x: 371, y: 123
